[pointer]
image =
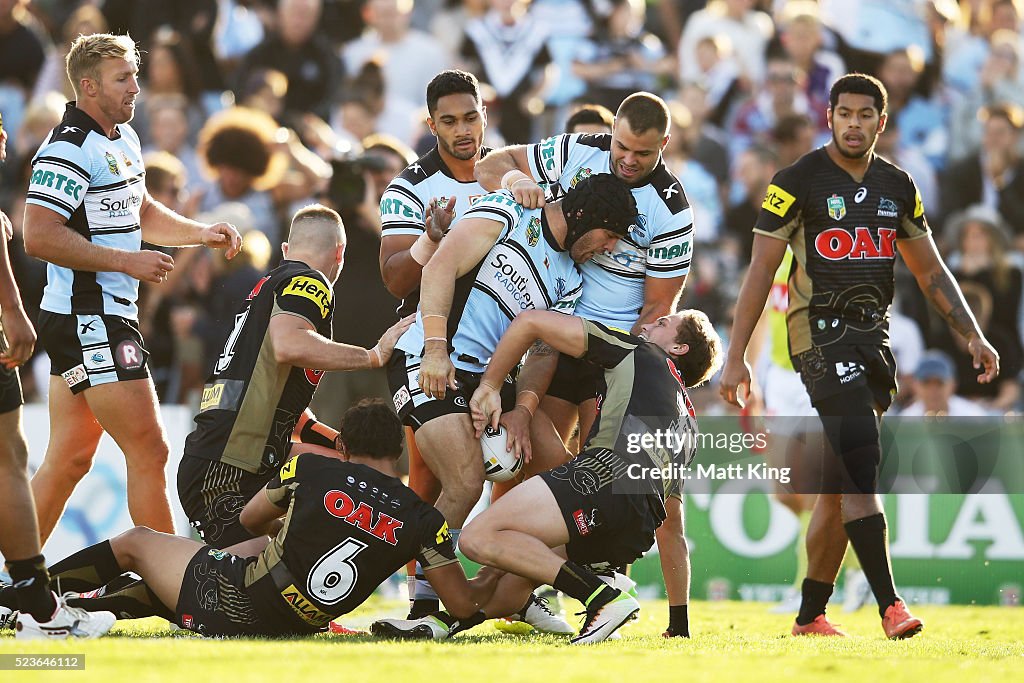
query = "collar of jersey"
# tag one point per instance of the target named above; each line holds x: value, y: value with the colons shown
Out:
x: 546, y: 229
x: 76, y: 117
x: 448, y: 172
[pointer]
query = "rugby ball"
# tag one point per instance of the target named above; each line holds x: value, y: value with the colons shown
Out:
x: 499, y: 464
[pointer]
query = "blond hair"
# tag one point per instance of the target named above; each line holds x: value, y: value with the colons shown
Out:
x: 88, y: 52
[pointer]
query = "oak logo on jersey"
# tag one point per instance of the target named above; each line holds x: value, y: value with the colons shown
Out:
x: 533, y: 232
x: 836, y: 207
x: 777, y: 200
x: 340, y: 505
x: 836, y: 244
x: 112, y: 163
x: 312, y: 289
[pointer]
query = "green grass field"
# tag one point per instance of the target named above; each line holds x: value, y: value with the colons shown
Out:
x: 732, y: 640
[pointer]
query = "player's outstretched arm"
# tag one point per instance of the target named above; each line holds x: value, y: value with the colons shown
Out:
x: 509, y: 169
x: 163, y: 226
x: 934, y: 279
x: 296, y: 342
x: 561, y: 332
x: 765, y: 259
x: 661, y: 296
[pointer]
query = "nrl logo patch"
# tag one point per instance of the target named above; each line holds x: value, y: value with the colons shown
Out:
x: 580, y: 175
x: 836, y: 207
x: 533, y: 232
x: 112, y: 163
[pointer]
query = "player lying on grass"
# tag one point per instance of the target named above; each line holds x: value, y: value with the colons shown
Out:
x: 349, y: 524
x: 604, y: 506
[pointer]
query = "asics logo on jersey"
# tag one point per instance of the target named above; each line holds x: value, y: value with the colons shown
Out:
x: 836, y: 244
x: 339, y: 504
x: 861, y: 194
x: 670, y: 191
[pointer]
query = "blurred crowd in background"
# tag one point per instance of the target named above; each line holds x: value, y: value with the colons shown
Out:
x: 252, y: 108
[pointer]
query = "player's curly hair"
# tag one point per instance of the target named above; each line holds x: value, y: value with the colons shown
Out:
x: 705, y: 355
x: 370, y: 428
x: 859, y: 84
x: 596, y: 202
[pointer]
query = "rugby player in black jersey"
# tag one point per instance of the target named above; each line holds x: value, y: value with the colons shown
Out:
x: 845, y: 212
x: 348, y: 524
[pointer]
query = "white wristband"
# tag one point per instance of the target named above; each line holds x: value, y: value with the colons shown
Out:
x: 507, y: 180
x: 423, y: 248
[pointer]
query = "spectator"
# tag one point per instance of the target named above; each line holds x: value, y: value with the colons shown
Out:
x: 793, y: 137
x: 265, y: 90
x: 720, y: 76
x: 621, y: 58
x: 590, y: 118
x: 53, y: 77
x: 168, y: 132
x: 922, y: 121
x: 21, y: 58
x: 802, y: 38
x: 891, y: 146
x: 754, y: 170
x: 997, y: 82
x: 994, y: 176
x: 935, y: 390
x: 702, y: 189
x: 707, y: 141
x: 170, y: 69
x: 748, y: 29
x: 507, y: 50
x: 302, y: 54
x: 409, y: 58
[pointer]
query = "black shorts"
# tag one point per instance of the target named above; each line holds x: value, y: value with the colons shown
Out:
x: 213, y: 494
x: 575, y: 380
x: 213, y: 600
x: 11, y: 397
x: 416, y: 409
x: 90, y: 350
x: 830, y: 370
x: 605, y: 524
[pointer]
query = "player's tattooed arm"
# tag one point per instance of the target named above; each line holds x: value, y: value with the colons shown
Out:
x: 948, y: 300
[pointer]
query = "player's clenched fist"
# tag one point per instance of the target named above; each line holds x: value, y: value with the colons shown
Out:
x: 147, y: 265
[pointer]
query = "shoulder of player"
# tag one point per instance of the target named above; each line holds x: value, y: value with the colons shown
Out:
x: 889, y: 171
x: 292, y: 272
x: 599, y: 141
x: 796, y: 178
x: 422, y: 169
x: 668, y: 189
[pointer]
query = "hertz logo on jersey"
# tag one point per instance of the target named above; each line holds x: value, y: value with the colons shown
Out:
x: 312, y: 289
x: 777, y: 201
x: 836, y: 244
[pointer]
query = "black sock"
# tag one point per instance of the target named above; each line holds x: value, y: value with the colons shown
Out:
x: 584, y: 585
x: 87, y: 569
x: 870, y: 541
x: 815, y: 595
x: 460, y: 625
x: 678, y: 621
x: 31, y: 584
x: 421, y: 607
x: 132, y: 601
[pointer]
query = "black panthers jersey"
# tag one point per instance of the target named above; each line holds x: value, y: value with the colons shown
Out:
x: 843, y: 235
x: 644, y: 415
x: 251, y: 402
x: 348, y: 528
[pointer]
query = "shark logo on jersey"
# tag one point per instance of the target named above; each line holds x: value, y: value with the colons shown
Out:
x: 112, y: 163
x: 836, y: 207
x: 581, y: 174
x: 533, y: 231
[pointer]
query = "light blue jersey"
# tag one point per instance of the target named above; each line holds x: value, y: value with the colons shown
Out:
x: 613, y: 292
x: 524, y: 270
x: 97, y: 184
